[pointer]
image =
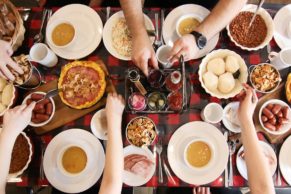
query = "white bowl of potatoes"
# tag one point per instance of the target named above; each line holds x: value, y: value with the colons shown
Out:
x: 7, y: 95
x: 222, y: 73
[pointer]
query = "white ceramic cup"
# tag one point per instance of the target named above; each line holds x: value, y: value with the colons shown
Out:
x: 60, y: 158
x: 212, y: 113
x: 163, y: 54
x: 211, y: 149
x: 41, y: 54
x: 282, y: 59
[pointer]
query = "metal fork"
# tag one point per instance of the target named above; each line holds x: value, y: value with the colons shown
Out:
x: 232, y: 148
x: 159, y: 149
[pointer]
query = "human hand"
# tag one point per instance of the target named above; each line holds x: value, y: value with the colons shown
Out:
x: 201, y: 190
x: 247, y: 104
x: 114, y: 108
x: 16, y: 119
x: 142, y: 53
x: 5, y: 54
x: 186, y: 46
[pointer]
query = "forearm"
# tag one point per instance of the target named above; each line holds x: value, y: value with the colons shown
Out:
x: 134, y: 17
x: 220, y: 16
x: 6, y: 147
x: 259, y: 176
x: 112, y: 177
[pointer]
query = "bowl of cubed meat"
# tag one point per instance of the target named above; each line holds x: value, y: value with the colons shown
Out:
x: 43, y: 111
x: 251, y: 37
x: 275, y: 117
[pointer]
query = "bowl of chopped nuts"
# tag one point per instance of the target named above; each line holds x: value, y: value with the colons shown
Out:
x: 31, y: 77
x: 253, y: 37
x: 264, y: 77
x: 141, y: 131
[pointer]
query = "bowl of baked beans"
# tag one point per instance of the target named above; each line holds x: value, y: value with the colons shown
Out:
x: 255, y: 37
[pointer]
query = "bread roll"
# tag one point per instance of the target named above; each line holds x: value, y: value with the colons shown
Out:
x: 2, y: 107
x: 7, y: 94
x: 231, y: 64
x: 216, y: 66
x: 226, y: 83
x: 210, y: 80
x: 3, y: 83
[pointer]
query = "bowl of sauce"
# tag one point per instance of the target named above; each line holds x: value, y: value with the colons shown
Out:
x: 61, y: 33
x: 198, y: 154
x: 187, y: 24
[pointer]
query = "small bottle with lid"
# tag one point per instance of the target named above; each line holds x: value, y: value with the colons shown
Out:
x: 174, y: 81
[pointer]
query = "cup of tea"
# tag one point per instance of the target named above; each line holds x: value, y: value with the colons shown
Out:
x: 163, y: 54
x: 282, y: 59
x: 212, y: 113
x: 199, y: 154
x: 73, y: 160
x: 41, y: 54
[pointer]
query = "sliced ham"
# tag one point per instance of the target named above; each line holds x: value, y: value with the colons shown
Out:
x: 138, y: 164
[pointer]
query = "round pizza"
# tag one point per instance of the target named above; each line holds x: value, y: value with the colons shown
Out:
x: 81, y: 84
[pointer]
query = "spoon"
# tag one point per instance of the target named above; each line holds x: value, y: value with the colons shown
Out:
x: 39, y: 37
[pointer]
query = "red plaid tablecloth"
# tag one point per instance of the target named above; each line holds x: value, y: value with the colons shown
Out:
x: 168, y: 123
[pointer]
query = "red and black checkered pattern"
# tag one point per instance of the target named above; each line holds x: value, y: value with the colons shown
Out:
x: 168, y: 123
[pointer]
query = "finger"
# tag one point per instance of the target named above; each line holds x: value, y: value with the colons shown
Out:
x: 176, y: 48
x: 7, y: 73
x: 203, y: 190
x: 14, y: 66
x: 154, y: 61
x: 144, y: 67
x: 175, y: 57
x: 30, y: 107
x: 114, y: 95
x: 249, y: 94
x: 207, y: 190
x: 22, y: 107
x: 17, y: 108
x: 194, y: 190
x: 255, y: 97
x: 9, y: 51
x: 2, y: 75
x: 199, y: 189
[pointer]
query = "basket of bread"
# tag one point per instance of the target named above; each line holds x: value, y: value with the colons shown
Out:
x: 11, y: 24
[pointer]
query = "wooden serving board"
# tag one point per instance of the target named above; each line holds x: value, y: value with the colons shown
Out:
x: 64, y: 113
x: 278, y: 94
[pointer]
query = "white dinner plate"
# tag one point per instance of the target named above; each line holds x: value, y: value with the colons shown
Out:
x: 88, y: 26
x: 281, y: 21
x: 231, y: 127
x: 74, y: 184
x: 107, y: 33
x: 169, y: 28
x: 178, y: 143
x: 241, y: 164
x: 134, y: 180
x: 96, y: 125
x: 285, y: 160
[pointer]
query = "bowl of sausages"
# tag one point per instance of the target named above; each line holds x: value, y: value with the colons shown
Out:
x: 43, y: 111
x: 275, y: 117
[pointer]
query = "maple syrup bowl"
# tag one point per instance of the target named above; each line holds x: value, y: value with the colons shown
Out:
x: 199, y: 154
x: 73, y: 160
x: 187, y: 23
x: 61, y: 33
